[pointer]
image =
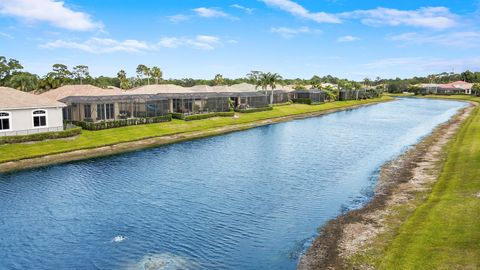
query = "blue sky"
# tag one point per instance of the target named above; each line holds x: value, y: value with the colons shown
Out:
x: 198, y: 39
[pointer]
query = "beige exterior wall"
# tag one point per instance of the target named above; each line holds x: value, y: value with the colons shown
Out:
x: 21, y: 121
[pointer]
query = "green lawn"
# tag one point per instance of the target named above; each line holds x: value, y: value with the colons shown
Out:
x: 444, y: 231
x: 92, y: 139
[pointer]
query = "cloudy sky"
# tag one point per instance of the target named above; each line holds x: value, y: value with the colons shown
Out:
x: 198, y: 39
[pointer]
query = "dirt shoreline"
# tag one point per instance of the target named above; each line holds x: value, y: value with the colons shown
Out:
x: 156, y: 141
x: 400, y: 180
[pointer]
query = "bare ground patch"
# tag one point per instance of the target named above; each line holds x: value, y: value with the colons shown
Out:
x: 402, y: 182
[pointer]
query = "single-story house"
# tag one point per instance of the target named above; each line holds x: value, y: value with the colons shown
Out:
x: 315, y: 95
x: 114, y: 107
x: 458, y: 87
x: 23, y: 113
x: 279, y: 96
x: 354, y: 94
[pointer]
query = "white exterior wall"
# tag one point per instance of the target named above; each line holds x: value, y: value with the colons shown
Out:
x: 21, y: 121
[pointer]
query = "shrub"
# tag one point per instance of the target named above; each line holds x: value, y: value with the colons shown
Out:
x: 282, y: 104
x: 122, y: 122
x: 41, y: 136
x: 254, y: 110
x: 208, y: 115
x: 307, y: 101
x: 178, y: 116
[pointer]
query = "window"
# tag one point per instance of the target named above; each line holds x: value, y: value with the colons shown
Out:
x: 87, y: 111
x: 4, y: 121
x: 39, y: 118
x: 105, y: 111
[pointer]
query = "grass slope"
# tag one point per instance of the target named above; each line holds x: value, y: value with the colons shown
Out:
x: 93, y: 139
x: 444, y: 231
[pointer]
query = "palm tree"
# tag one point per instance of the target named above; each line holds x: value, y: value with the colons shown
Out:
x: 124, y: 82
x: 273, y: 80
x: 23, y: 81
x: 330, y: 93
x: 140, y: 71
x: 262, y: 81
x: 148, y: 73
x: 156, y: 73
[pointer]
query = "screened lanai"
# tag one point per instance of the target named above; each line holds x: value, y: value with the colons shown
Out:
x: 101, y: 108
x: 245, y: 100
x: 315, y: 95
x: 190, y: 103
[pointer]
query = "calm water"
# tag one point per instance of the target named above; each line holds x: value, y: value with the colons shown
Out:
x: 247, y: 200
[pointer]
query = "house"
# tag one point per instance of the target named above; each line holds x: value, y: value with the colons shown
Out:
x: 86, y: 102
x: 204, y: 98
x: 458, y: 87
x: 187, y: 100
x: 314, y: 95
x: 23, y: 113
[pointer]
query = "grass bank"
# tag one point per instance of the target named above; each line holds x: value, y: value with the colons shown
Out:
x: 425, y: 214
x: 444, y: 231
x: 109, y: 137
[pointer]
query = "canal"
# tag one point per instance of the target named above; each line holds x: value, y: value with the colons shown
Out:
x: 247, y: 200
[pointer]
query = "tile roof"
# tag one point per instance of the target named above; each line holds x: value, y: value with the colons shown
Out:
x: 14, y: 99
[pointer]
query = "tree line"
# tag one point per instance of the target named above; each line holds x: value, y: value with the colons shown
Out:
x: 13, y: 75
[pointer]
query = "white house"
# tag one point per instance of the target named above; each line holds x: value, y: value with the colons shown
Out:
x: 22, y: 113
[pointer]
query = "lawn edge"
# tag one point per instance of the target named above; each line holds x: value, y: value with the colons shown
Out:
x: 155, y: 141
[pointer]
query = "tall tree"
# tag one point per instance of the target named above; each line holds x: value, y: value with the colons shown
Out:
x: 81, y: 72
x: 8, y: 67
x: 156, y: 74
x: 124, y: 82
x: 61, y: 74
x: 218, y: 80
x: 273, y: 80
x: 23, y: 81
x: 141, y: 71
x: 147, y: 73
x: 254, y: 76
x: 316, y: 82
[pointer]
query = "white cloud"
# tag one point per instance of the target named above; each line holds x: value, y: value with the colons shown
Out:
x: 347, y: 39
x: 210, y: 12
x: 101, y: 45
x: 287, y: 32
x: 5, y: 35
x: 178, y: 18
x: 245, y: 9
x: 50, y: 11
x: 200, y: 42
x: 427, y: 17
x: 299, y: 11
x: 424, y: 64
x: 467, y: 39
x: 170, y: 42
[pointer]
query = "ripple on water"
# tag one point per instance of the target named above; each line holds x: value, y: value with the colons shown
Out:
x: 163, y: 261
x: 246, y: 200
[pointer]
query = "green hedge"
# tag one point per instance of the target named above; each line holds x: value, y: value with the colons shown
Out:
x: 307, y: 101
x: 282, y: 104
x: 208, y: 115
x: 254, y: 110
x: 122, y: 122
x: 41, y: 136
x: 178, y: 116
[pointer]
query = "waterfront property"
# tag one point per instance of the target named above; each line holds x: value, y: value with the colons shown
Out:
x: 279, y: 96
x: 453, y: 88
x: 194, y: 217
x: 312, y: 95
x: 22, y: 113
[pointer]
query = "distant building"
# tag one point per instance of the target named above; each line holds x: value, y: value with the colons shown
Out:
x: 23, y: 113
x: 458, y: 87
